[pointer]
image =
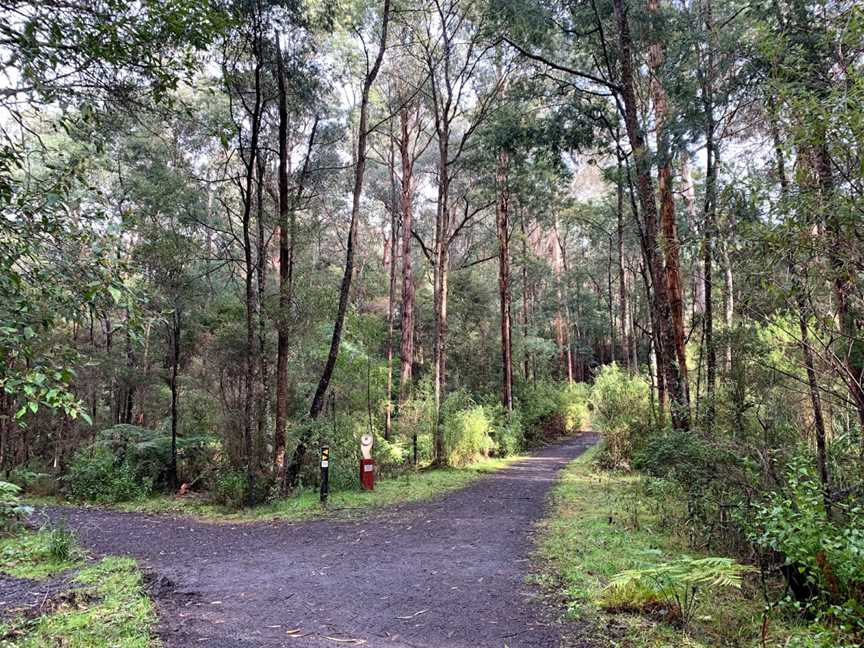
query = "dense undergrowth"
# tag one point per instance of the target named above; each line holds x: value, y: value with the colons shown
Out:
x: 129, y: 465
x: 749, y: 489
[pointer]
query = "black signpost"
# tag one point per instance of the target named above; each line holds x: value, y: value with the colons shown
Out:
x: 325, y: 468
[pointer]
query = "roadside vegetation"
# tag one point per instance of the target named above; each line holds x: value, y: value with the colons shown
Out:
x: 127, y: 467
x: 662, y: 539
x: 102, y: 605
x: 106, y: 606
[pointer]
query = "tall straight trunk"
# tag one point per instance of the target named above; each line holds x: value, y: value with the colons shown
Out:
x: 668, y: 224
x: 263, y: 386
x: 799, y: 288
x: 442, y: 262
x: 285, y: 272
x: 174, y: 332
x: 406, y: 347
x: 526, y: 354
x: 503, y: 228
x: 624, y: 318
x: 851, y: 345
x: 391, y: 294
x: 712, y: 160
x: 688, y: 193
x: 250, y: 361
x: 565, y: 357
x: 728, y: 304
x: 645, y: 188
x: 655, y: 342
x: 345, y: 287
x: 287, y: 236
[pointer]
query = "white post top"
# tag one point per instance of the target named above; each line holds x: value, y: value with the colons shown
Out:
x: 366, y: 446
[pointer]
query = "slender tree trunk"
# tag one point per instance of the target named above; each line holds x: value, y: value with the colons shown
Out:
x: 175, y: 365
x: 526, y: 354
x: 263, y: 385
x: 645, y: 189
x: 391, y: 294
x: 565, y: 358
x: 503, y: 227
x: 728, y: 305
x: 285, y: 244
x: 249, y: 271
x: 406, y: 350
x: 688, y: 193
x: 345, y: 287
x: 442, y: 262
x: 851, y: 345
x: 669, y: 228
x: 624, y: 317
x: 712, y: 159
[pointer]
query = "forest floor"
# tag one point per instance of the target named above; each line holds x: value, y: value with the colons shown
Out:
x: 449, y: 572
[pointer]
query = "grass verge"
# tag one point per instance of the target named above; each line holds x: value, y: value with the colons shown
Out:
x: 109, y: 607
x: 38, y: 554
x: 601, y: 524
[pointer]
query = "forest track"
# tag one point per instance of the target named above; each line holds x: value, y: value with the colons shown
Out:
x: 444, y: 573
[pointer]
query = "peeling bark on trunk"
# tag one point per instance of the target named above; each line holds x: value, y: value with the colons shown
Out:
x: 645, y: 186
x: 668, y: 224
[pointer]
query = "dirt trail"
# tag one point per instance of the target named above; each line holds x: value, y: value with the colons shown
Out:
x: 448, y: 573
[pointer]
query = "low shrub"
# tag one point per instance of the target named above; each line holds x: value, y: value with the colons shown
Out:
x: 677, y: 585
x: 230, y: 488
x: 507, y: 431
x: 573, y: 405
x: 539, y: 404
x: 60, y: 542
x: 96, y: 475
x: 549, y: 410
x: 822, y: 556
x: 12, y: 510
x: 467, y: 430
x: 621, y: 411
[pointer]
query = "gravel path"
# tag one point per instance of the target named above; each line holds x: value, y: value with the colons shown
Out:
x: 447, y: 573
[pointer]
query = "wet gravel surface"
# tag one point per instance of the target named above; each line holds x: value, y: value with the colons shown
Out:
x: 447, y: 573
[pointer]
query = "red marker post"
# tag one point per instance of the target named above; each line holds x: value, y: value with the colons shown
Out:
x: 367, y: 464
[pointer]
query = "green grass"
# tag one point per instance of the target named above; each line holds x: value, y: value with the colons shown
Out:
x: 109, y: 610
x: 601, y: 524
x: 35, y: 554
x: 412, y: 486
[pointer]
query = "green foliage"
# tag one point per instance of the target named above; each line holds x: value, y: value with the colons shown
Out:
x: 826, y: 553
x: 96, y: 475
x: 538, y: 404
x: 111, y: 609
x: 548, y: 409
x: 678, y: 583
x: 622, y: 412
x: 573, y: 407
x: 39, y: 554
x: 12, y: 511
x: 60, y: 542
x: 507, y: 431
x: 230, y: 488
x: 467, y: 430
